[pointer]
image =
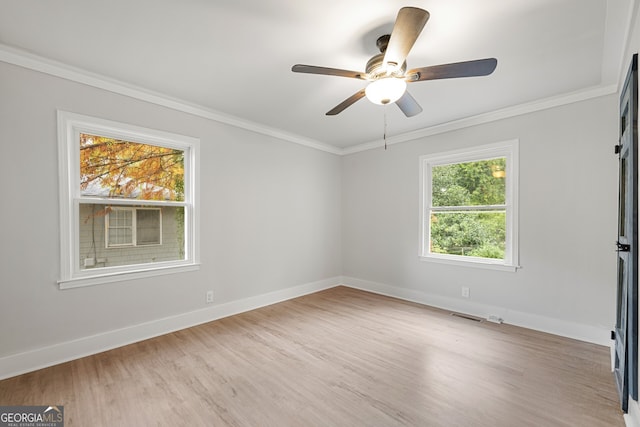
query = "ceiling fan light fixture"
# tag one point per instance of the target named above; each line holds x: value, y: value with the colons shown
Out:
x: 385, y: 90
x: 387, y: 71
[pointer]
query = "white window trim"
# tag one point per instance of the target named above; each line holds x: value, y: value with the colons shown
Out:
x: 70, y: 125
x: 508, y: 149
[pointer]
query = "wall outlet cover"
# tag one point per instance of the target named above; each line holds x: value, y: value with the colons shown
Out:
x: 495, y: 319
x: 465, y: 292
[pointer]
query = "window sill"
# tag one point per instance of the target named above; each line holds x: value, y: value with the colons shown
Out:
x: 480, y: 263
x: 99, y: 279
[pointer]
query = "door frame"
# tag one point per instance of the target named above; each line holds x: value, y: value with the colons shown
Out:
x: 626, y: 332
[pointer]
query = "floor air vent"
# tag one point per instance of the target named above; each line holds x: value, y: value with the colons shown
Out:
x: 468, y: 317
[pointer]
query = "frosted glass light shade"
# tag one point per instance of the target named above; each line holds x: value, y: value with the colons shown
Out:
x: 385, y: 90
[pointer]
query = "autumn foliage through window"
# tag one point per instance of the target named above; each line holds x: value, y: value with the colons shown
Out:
x: 114, y: 168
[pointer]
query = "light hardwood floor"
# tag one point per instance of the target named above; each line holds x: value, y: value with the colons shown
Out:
x: 339, y: 357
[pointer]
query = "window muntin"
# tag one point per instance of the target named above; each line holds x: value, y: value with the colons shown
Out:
x: 468, y: 206
x: 130, y: 191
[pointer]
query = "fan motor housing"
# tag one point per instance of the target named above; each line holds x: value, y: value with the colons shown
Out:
x: 376, y: 68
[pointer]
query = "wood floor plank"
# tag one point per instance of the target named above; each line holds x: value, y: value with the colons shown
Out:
x: 340, y: 357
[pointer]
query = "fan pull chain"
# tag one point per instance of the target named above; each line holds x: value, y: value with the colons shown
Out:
x: 384, y: 133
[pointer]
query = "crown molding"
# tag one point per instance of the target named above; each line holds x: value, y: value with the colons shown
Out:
x: 30, y: 61
x: 517, y: 110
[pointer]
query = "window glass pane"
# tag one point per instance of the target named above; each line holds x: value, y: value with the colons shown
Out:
x: 115, y: 168
x: 469, y: 233
x: 148, y: 226
x: 120, y: 236
x: 622, y: 199
x: 621, y: 293
x: 469, y: 184
x: 120, y: 217
x: 167, y: 222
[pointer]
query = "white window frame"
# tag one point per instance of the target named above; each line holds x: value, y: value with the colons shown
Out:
x: 70, y: 126
x: 509, y: 150
x: 134, y: 228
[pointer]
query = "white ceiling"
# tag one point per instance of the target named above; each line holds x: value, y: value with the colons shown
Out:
x: 234, y: 57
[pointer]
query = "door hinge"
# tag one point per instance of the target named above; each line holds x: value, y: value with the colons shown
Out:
x: 613, y: 335
x: 617, y: 148
x: 623, y: 247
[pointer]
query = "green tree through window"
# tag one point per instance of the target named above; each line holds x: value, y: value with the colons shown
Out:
x: 471, y: 218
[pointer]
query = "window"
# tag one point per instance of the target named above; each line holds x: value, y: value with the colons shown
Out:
x: 127, y: 201
x: 148, y: 227
x: 133, y: 227
x: 469, y: 206
x: 119, y: 227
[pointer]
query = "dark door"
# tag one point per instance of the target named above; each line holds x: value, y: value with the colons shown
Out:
x: 626, y: 332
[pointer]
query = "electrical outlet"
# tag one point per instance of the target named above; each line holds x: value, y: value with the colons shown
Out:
x: 465, y: 292
x: 209, y: 297
x: 495, y: 319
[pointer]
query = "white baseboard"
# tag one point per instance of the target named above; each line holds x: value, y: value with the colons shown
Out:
x: 632, y: 417
x: 565, y: 328
x: 32, y: 360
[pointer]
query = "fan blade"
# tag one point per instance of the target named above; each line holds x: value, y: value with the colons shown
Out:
x: 408, y: 105
x: 409, y: 24
x: 312, y: 69
x: 480, y: 67
x: 346, y: 103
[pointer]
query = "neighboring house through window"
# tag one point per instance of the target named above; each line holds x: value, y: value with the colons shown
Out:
x: 133, y: 227
x: 469, y: 206
x: 128, y: 201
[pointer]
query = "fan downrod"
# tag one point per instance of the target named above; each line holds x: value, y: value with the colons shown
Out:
x: 383, y: 42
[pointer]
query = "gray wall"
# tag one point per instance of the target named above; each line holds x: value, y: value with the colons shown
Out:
x: 568, y: 203
x: 270, y: 216
x: 275, y: 215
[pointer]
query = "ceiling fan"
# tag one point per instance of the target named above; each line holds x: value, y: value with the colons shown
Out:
x: 387, y: 71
